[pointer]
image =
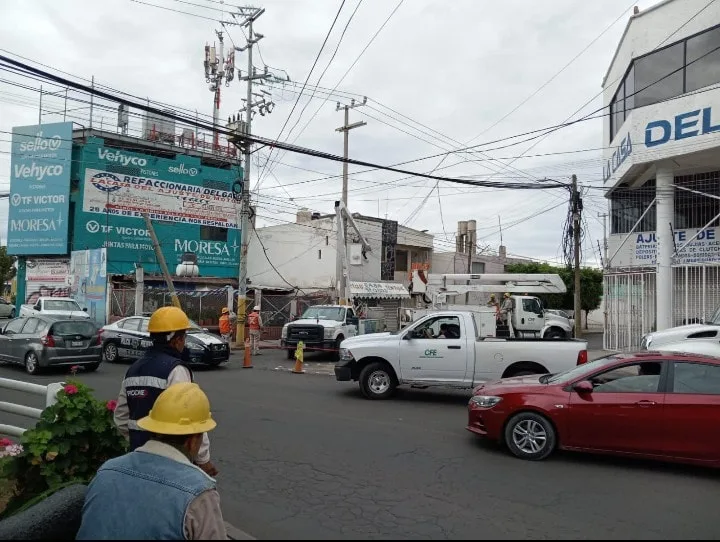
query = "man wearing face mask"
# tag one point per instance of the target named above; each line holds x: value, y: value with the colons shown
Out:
x: 155, y: 492
x: 160, y: 367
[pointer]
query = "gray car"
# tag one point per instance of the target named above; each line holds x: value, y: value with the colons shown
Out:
x: 7, y: 310
x: 38, y: 342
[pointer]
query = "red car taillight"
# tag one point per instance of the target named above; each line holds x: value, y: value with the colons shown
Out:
x: 99, y: 338
x: 582, y: 357
x: 48, y: 340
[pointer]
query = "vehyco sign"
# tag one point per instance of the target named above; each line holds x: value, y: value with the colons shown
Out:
x: 121, y: 158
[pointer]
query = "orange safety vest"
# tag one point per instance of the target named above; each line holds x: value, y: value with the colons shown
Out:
x: 254, y: 321
x: 225, y: 327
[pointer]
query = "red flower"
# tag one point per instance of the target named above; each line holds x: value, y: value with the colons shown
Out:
x: 111, y: 405
x: 5, y: 442
x: 70, y: 389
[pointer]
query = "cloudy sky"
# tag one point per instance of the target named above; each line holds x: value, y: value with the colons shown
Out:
x: 437, y: 76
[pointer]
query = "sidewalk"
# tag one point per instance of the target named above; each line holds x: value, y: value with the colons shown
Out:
x: 236, y: 534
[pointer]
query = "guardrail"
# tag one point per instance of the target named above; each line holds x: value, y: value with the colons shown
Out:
x: 49, y: 392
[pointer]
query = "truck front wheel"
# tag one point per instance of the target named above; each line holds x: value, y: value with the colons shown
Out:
x: 377, y: 381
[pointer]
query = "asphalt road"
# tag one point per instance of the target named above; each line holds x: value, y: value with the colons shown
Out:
x: 305, y: 457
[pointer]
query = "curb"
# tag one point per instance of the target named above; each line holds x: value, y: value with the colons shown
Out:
x: 236, y: 534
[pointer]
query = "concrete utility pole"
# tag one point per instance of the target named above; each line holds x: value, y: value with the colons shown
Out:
x: 605, y: 237
x: 576, y: 210
x: 345, y: 128
x: 250, y: 15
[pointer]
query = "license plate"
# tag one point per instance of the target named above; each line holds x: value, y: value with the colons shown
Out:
x: 77, y: 343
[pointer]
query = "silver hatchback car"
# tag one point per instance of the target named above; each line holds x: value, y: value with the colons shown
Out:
x: 38, y: 342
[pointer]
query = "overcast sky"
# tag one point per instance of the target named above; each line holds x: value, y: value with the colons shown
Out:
x: 455, y: 67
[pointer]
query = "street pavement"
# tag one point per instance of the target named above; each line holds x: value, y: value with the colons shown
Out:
x: 306, y: 457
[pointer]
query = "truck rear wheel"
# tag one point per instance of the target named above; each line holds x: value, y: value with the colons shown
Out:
x: 377, y: 381
x: 554, y: 335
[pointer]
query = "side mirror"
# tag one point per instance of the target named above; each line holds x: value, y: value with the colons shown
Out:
x: 583, y: 387
x: 407, y: 336
x: 85, y: 309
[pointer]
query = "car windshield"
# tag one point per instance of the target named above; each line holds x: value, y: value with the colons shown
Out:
x: 86, y: 329
x: 325, y: 313
x: 580, y: 370
x: 61, y: 305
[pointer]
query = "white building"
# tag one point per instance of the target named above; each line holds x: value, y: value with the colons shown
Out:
x: 303, y: 255
x: 662, y: 170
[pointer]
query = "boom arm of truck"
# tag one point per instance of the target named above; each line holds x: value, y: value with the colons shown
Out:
x: 440, y: 286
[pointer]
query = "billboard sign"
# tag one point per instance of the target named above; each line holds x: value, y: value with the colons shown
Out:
x: 190, y: 204
x: 40, y: 189
x: 168, y: 201
x: 46, y: 277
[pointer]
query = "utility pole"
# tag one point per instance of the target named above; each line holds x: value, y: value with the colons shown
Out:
x: 345, y: 128
x: 161, y: 262
x: 241, y: 130
x: 605, y: 237
x: 576, y: 210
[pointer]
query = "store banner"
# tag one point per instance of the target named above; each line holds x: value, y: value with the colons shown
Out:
x: 88, y: 282
x: 39, y: 189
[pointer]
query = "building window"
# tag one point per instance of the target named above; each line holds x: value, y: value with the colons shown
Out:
x: 659, y: 76
x: 478, y: 268
x: 319, y: 254
x: 401, y: 260
x: 212, y: 233
x: 703, y: 59
x: 682, y: 67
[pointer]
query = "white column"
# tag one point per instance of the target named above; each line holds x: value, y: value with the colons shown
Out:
x: 665, y: 213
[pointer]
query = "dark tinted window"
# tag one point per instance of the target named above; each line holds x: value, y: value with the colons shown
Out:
x: 652, y: 82
x: 635, y: 378
x: 703, y: 60
x: 14, y: 326
x: 86, y: 329
x: 31, y: 325
x: 696, y: 378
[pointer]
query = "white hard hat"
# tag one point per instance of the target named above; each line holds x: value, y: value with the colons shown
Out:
x: 256, y: 308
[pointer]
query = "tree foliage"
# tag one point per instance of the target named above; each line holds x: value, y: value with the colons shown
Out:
x: 7, y: 266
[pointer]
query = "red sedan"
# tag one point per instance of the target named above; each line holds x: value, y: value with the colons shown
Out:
x: 659, y: 405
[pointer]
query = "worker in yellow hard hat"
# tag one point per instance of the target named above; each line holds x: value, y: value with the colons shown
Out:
x: 161, y: 366
x: 155, y: 492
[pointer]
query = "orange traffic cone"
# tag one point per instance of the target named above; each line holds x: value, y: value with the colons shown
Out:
x: 247, y: 361
x: 298, y: 369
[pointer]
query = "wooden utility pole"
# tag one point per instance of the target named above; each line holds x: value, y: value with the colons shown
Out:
x: 576, y: 209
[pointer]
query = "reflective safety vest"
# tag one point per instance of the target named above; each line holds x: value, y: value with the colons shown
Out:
x: 254, y: 321
x: 225, y: 327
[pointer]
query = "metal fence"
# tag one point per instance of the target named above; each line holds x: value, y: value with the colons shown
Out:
x: 630, y: 302
x: 49, y: 392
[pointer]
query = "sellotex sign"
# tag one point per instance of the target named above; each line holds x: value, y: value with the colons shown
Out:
x: 40, y: 189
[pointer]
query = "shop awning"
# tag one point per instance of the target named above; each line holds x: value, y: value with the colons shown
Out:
x: 380, y: 290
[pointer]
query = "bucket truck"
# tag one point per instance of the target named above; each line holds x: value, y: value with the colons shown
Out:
x: 526, y: 319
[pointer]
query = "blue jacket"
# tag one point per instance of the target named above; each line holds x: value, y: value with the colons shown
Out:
x: 144, y: 381
x: 141, y: 496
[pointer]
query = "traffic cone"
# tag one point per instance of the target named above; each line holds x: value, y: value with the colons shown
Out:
x: 247, y: 360
x: 298, y: 369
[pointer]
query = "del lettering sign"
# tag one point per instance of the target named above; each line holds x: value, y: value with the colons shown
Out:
x: 683, y: 126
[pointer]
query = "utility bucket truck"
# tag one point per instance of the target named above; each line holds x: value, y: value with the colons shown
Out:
x: 526, y: 319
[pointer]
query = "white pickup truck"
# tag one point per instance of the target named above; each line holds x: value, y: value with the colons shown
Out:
x: 60, y: 306
x: 443, y: 349
x: 321, y: 327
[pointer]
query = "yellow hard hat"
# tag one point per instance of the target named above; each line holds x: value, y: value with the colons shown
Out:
x: 182, y: 409
x: 507, y: 294
x: 167, y: 320
x: 224, y: 310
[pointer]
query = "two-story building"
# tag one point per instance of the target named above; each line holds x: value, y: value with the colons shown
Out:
x: 662, y: 170
x: 301, y: 257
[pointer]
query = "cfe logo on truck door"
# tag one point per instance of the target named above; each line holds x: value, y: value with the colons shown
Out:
x: 431, y: 353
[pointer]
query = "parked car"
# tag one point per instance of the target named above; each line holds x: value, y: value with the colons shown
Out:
x: 42, y: 341
x: 443, y: 349
x: 128, y: 339
x: 55, y: 306
x: 7, y: 310
x: 659, y: 405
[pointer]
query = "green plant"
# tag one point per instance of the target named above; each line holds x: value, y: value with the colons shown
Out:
x: 72, y: 439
